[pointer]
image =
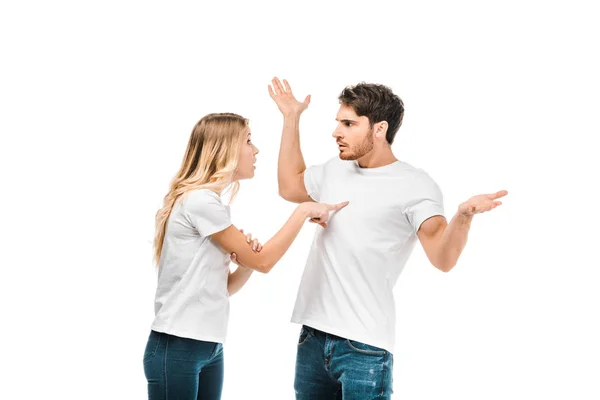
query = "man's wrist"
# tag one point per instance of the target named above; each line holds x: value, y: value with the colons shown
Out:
x: 291, y: 115
x: 465, y: 216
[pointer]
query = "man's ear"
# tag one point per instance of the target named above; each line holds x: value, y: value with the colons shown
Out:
x: 381, y: 129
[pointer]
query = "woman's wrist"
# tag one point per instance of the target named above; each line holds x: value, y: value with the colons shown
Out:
x: 302, y: 210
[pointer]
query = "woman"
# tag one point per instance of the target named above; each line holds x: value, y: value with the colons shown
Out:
x: 193, y: 243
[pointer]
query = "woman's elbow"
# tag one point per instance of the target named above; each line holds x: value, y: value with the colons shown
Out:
x: 264, y: 268
x: 260, y: 263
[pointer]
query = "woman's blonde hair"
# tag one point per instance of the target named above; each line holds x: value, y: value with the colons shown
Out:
x: 210, y: 161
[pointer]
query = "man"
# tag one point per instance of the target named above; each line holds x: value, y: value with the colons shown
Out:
x: 345, y: 300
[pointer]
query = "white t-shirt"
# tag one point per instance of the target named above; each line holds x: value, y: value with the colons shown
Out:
x: 191, y: 297
x: 354, y: 263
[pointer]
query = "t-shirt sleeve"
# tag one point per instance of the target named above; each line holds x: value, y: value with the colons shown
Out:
x: 206, y: 212
x: 313, y: 179
x: 426, y: 201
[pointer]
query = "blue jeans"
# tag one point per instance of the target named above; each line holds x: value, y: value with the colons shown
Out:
x: 331, y: 367
x: 183, y: 369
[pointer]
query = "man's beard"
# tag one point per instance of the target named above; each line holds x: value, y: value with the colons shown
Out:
x: 365, y: 146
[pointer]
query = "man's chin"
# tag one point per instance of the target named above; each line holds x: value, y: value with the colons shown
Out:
x: 346, y: 157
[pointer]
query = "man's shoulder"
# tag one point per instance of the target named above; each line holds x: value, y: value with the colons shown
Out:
x: 417, y: 172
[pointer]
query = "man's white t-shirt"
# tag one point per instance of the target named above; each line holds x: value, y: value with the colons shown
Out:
x: 354, y: 263
x: 191, y: 297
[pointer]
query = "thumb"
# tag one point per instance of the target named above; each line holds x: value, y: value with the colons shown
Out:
x: 316, y: 221
x: 307, y: 100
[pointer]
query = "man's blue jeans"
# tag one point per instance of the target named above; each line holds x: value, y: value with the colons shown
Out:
x: 331, y: 367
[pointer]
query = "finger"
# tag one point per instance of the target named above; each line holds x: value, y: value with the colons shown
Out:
x: 307, y: 100
x: 271, y: 92
x: 323, y: 224
x: 287, y: 86
x: 241, y: 230
x: 254, y: 244
x: 278, y: 86
x: 497, y: 195
x: 259, y: 248
x: 338, y: 206
x: 248, y: 237
x: 233, y: 257
x: 324, y: 217
x: 275, y: 87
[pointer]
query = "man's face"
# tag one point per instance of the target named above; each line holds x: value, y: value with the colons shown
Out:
x: 353, y: 134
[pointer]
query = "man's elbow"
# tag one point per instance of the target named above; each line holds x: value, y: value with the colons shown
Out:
x: 285, y: 193
x: 291, y: 188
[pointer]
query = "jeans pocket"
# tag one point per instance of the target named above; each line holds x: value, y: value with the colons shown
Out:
x: 364, y: 348
x: 304, y: 334
x: 152, y: 346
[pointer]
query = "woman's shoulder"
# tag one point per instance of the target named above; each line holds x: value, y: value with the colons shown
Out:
x: 200, y: 198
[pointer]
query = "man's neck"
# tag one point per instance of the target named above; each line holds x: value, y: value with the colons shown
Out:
x: 377, y: 158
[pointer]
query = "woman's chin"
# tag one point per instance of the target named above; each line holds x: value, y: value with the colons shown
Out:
x: 248, y: 175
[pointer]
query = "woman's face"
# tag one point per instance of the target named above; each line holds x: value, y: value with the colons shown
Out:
x: 248, y: 152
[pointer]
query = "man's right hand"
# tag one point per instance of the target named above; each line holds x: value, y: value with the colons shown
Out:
x: 285, y: 100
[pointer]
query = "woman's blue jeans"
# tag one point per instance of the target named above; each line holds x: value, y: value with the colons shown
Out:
x: 183, y: 369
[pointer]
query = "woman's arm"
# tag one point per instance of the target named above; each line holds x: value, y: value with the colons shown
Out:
x: 238, y: 278
x: 233, y: 241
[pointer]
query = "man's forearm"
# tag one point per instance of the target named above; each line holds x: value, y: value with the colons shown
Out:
x: 291, y: 162
x: 453, y: 241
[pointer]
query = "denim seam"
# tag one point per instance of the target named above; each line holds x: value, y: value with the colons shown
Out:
x: 385, y: 357
x: 165, y: 368
x: 154, y: 350
x: 308, y: 335
x: 157, y: 345
x: 327, y: 364
x: 368, y: 352
x: 338, y: 387
x: 214, y: 351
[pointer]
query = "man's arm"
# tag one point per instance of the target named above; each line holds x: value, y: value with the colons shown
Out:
x: 444, y: 242
x: 291, y: 166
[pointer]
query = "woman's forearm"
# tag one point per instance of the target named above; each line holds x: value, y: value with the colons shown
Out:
x: 238, y: 279
x: 233, y: 241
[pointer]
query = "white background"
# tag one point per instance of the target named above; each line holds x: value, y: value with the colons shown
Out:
x: 97, y: 104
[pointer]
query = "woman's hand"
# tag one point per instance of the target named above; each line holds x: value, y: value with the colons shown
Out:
x: 319, y: 212
x: 253, y: 243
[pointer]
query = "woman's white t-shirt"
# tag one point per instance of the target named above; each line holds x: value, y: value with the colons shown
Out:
x: 191, y: 296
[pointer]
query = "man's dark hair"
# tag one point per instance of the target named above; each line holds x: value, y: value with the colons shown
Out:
x: 376, y: 102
